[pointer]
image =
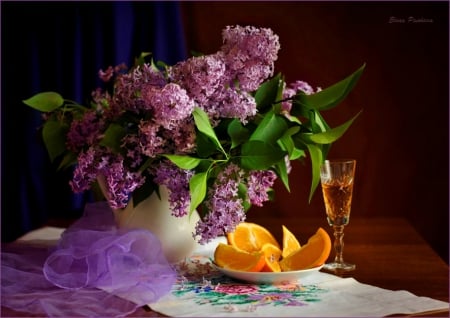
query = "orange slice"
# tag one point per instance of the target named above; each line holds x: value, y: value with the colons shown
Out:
x: 290, y: 243
x: 272, y: 254
x: 230, y: 257
x: 250, y: 237
x: 312, y: 254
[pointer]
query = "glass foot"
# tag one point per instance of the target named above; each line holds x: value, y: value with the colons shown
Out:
x: 339, y: 267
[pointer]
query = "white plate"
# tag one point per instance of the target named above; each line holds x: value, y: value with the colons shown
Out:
x: 268, y: 277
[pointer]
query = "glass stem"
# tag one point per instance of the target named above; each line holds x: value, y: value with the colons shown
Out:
x: 339, y: 243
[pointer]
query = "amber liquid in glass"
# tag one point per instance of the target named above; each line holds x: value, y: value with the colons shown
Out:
x: 338, y: 198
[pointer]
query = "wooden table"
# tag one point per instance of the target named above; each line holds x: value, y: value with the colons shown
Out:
x: 388, y: 253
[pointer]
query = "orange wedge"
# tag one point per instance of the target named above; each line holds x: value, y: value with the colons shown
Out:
x: 312, y: 254
x: 290, y: 243
x: 250, y: 237
x: 230, y: 257
x: 272, y: 254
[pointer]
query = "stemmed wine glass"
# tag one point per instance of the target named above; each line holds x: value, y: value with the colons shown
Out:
x: 337, y: 178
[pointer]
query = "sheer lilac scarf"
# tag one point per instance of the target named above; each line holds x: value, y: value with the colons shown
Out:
x: 90, y: 272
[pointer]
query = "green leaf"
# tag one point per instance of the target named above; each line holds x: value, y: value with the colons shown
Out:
x: 315, y: 123
x: 325, y: 150
x: 318, y: 123
x: 260, y: 155
x: 315, y: 153
x: 144, y: 191
x: 204, y: 125
x: 287, y: 143
x: 242, y: 193
x: 270, y: 129
x: 69, y: 159
x: 205, y: 146
x: 184, y: 162
x: 237, y: 132
x: 332, y: 95
x: 293, y: 119
x: 113, y: 137
x: 268, y: 92
x: 331, y: 135
x: 141, y: 59
x: 282, y: 173
x: 197, y: 188
x: 297, y: 154
x: 45, y: 101
x: 54, y: 136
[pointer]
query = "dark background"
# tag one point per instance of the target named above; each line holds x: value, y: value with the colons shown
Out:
x: 400, y: 141
x: 60, y: 46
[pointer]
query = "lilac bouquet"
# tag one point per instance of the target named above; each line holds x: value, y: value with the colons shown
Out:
x: 217, y: 130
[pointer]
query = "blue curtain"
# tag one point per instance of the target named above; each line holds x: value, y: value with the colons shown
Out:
x: 60, y: 46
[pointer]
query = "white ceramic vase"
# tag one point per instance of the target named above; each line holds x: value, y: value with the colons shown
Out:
x: 153, y: 213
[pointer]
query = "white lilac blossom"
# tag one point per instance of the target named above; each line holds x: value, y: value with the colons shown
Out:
x: 222, y: 124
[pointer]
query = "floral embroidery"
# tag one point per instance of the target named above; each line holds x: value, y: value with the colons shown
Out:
x: 199, y: 281
x: 236, y: 289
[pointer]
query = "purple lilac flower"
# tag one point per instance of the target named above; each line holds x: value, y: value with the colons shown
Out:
x: 169, y: 104
x: 128, y: 87
x: 101, y: 98
x: 120, y: 182
x: 251, y: 75
x: 133, y: 154
x: 106, y: 75
x: 257, y: 43
x: 85, y: 172
x: 121, y: 68
x: 180, y: 139
x: 200, y: 76
x: 247, y: 56
x: 84, y: 131
x: 298, y: 86
x: 294, y: 88
x: 150, y: 141
x: 155, y: 140
x: 250, y: 54
x: 233, y: 104
x: 258, y: 183
x: 286, y: 105
x: 177, y: 182
x: 225, y: 209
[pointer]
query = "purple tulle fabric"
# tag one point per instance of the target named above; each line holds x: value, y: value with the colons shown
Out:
x: 95, y: 270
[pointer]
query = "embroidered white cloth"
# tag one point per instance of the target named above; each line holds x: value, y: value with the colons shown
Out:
x: 202, y: 291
